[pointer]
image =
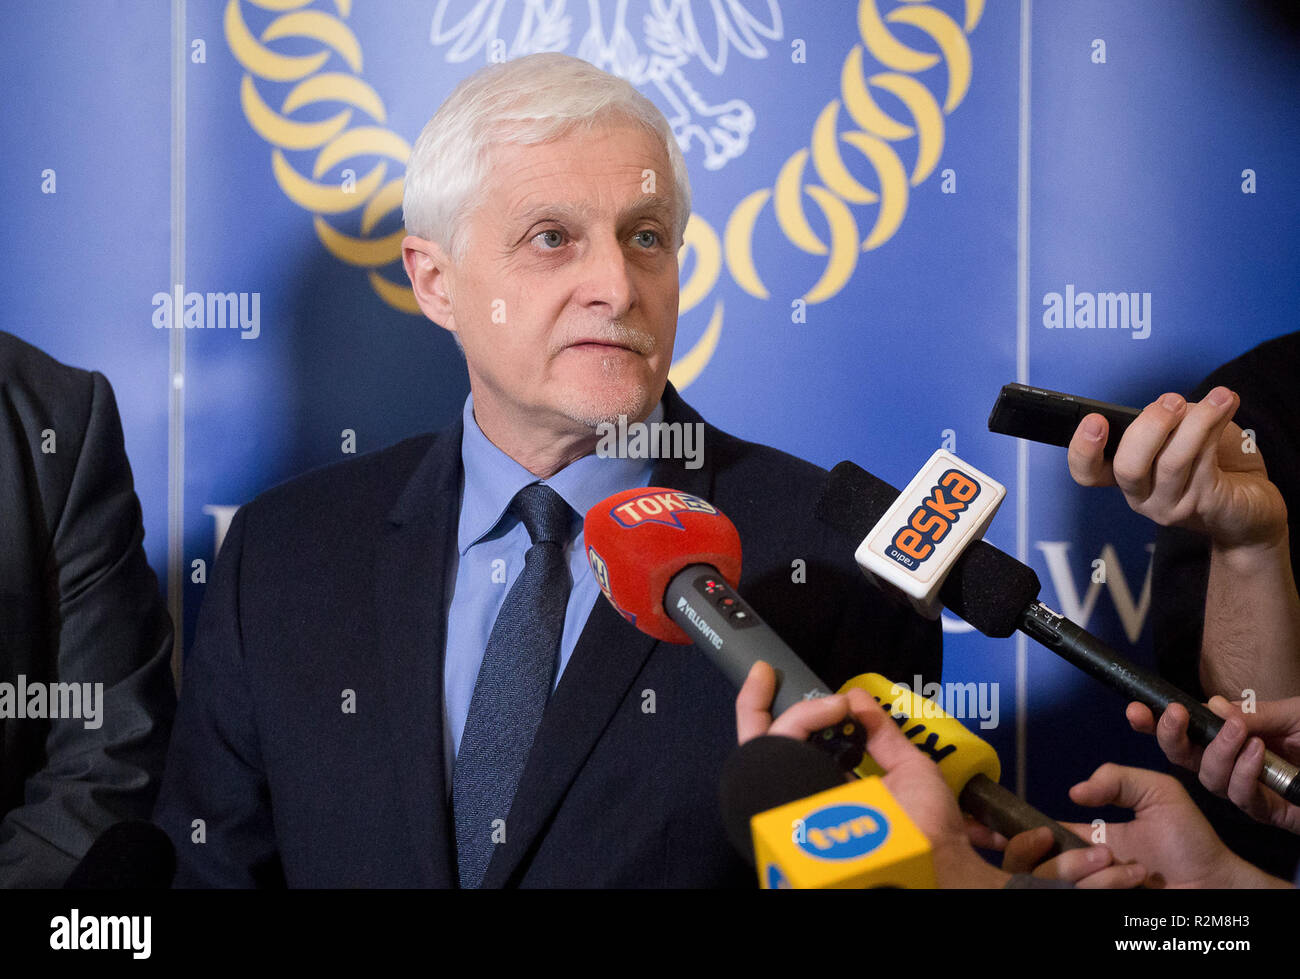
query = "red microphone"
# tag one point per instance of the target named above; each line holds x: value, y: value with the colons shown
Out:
x: 669, y: 562
x: 650, y: 534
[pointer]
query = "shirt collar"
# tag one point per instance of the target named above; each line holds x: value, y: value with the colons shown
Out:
x: 492, y: 479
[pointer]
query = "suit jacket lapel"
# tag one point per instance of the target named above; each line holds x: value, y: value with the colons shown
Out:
x: 609, y: 655
x: 410, y: 595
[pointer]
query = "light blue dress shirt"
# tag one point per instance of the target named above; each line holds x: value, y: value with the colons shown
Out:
x: 490, y: 553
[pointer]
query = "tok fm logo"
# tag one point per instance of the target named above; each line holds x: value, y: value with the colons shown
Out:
x: 930, y: 522
x: 662, y: 508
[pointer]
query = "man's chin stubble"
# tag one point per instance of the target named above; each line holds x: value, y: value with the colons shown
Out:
x: 591, y: 410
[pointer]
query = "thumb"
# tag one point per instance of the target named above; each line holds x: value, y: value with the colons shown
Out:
x: 1088, y: 466
x: 754, y: 702
x: 1270, y: 718
x: 886, y: 744
x: 1119, y: 785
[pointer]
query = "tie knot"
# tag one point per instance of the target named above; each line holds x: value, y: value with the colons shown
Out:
x: 544, y: 513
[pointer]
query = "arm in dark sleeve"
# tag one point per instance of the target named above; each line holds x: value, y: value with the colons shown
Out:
x: 107, y: 625
x: 1180, y: 573
x: 214, y: 803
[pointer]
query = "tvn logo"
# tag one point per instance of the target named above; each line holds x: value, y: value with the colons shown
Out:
x: 842, y: 832
x: 659, y: 508
x: 930, y: 522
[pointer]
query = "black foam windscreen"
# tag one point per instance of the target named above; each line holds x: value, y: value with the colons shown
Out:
x: 767, y: 772
x: 130, y: 855
x: 853, y: 500
x: 986, y: 587
x: 989, y: 589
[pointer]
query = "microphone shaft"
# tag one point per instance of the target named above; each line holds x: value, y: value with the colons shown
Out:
x: 732, y: 635
x: 1076, y: 645
x: 1002, y: 811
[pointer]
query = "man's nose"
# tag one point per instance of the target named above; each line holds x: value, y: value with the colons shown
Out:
x: 607, y: 276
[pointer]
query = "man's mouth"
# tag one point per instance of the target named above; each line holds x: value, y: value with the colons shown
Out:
x: 597, y: 344
x: 612, y: 338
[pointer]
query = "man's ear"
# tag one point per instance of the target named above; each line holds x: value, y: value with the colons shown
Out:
x: 430, y: 270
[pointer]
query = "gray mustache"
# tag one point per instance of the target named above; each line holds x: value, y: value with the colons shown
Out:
x: 623, y: 336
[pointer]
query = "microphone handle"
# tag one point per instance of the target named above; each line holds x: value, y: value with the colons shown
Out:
x: 1078, y: 646
x: 1002, y: 811
x: 732, y: 635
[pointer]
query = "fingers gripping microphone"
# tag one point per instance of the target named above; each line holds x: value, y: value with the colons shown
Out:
x: 787, y: 809
x: 998, y: 595
x: 968, y: 763
x: 669, y: 562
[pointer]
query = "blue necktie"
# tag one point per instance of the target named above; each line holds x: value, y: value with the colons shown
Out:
x: 514, y: 682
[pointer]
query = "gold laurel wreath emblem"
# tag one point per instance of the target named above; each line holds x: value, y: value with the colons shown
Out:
x: 336, y: 141
x: 876, y: 131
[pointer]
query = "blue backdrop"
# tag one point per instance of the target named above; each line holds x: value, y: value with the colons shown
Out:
x: 887, y: 196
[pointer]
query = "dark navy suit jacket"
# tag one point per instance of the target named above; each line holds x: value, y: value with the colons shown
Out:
x: 335, y: 586
x: 78, y: 604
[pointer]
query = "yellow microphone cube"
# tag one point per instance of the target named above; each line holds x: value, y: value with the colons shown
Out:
x: 851, y: 836
x: 959, y: 752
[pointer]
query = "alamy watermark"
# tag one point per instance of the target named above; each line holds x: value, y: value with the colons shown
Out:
x: 1098, y: 311
x: 959, y: 700
x: 52, y: 701
x: 123, y: 932
x: 181, y: 310
x: 652, y: 440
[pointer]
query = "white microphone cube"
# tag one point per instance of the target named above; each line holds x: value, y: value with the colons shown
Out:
x: 913, y: 547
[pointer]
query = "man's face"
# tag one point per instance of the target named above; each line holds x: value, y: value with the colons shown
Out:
x: 566, y: 299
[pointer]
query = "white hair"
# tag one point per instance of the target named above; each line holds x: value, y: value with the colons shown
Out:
x: 528, y: 100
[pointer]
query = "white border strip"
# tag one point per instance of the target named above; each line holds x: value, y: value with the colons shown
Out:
x: 176, y: 372
x: 1022, y: 376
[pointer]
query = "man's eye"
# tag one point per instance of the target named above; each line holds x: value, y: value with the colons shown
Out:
x: 549, y: 239
x: 647, y: 239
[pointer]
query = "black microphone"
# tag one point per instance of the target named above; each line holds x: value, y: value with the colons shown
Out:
x: 132, y: 855
x: 767, y: 772
x: 998, y: 595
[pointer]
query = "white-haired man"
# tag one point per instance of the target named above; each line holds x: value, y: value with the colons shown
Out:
x: 507, y: 728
